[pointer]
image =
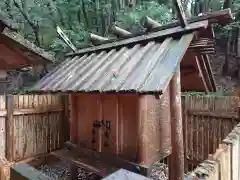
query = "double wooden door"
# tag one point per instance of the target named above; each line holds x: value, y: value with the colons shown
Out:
x: 108, y: 123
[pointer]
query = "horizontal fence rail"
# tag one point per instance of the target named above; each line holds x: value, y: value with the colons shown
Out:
x: 207, y: 120
x: 224, y: 163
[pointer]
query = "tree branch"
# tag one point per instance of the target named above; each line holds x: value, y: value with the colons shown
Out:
x: 34, y: 27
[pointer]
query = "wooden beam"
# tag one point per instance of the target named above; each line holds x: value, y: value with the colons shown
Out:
x: 87, y: 163
x: 73, y: 172
x: 201, y: 73
x: 202, y: 50
x: 119, y: 32
x: 96, y: 39
x: 107, y: 158
x: 224, y: 16
x: 189, y: 68
x: 9, y: 127
x: 181, y: 14
x: 200, y: 46
x: 151, y: 36
x: 149, y: 23
x: 208, y: 66
x: 177, y: 157
x: 73, y: 120
x: 206, y: 73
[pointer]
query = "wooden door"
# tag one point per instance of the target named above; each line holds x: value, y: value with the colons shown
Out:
x: 110, y: 127
x: 89, y: 111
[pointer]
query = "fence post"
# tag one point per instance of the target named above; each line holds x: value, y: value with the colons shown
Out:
x: 176, y: 170
x: 9, y: 127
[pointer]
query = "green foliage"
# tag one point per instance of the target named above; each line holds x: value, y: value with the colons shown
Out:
x: 37, y: 19
x: 131, y: 19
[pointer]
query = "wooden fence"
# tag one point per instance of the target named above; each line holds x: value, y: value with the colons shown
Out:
x: 207, y: 120
x: 224, y: 163
x: 31, y: 125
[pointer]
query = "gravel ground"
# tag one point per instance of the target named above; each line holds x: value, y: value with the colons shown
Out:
x: 60, y: 171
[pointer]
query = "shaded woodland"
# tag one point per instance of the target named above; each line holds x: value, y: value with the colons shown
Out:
x: 37, y: 20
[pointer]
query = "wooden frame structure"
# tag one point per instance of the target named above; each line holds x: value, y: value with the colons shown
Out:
x: 91, y: 129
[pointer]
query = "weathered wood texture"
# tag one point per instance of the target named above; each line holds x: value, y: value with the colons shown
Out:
x: 31, y: 125
x: 4, y: 169
x: 135, y: 125
x: 177, y: 156
x: 224, y: 163
x: 207, y: 120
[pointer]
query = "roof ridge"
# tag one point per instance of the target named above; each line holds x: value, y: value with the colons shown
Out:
x: 221, y: 17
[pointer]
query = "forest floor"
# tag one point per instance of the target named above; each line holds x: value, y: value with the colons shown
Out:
x: 227, y: 83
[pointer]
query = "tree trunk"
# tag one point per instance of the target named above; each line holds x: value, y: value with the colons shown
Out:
x: 225, y: 65
x: 237, y: 46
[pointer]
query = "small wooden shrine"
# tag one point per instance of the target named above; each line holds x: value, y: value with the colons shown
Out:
x: 126, y: 95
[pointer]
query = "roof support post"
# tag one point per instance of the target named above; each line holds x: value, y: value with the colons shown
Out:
x: 181, y: 15
x: 177, y: 157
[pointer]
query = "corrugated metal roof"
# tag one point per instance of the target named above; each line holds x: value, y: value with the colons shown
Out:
x: 142, y: 68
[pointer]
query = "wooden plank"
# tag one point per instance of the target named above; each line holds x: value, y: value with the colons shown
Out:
x: 150, y: 36
x: 9, y: 127
x: 73, y: 172
x: 38, y: 110
x: 181, y: 14
x: 208, y: 66
x: 223, y: 17
x: 201, y: 74
x: 73, y: 120
x: 207, y: 73
x: 177, y: 156
x: 87, y: 163
x: 213, y: 114
x: 108, y: 158
x: 26, y: 172
x: 66, y: 116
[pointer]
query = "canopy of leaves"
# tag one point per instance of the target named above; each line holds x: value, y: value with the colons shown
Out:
x: 37, y: 19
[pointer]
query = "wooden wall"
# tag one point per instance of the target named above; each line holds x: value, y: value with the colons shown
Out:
x: 31, y: 125
x: 136, y: 125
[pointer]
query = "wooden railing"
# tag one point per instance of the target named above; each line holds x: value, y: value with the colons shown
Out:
x: 207, y: 120
x: 224, y: 163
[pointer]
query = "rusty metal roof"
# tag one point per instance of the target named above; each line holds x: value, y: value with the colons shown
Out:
x: 142, y: 68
